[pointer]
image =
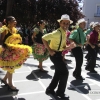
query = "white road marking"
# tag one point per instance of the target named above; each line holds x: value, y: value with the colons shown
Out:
x: 84, y: 95
x: 93, y: 81
x: 77, y: 90
x: 32, y: 93
x: 37, y: 78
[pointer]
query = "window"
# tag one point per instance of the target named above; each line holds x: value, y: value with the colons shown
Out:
x: 98, y: 10
x: 97, y: 14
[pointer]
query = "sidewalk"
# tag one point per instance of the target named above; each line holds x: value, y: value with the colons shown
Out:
x: 32, y: 83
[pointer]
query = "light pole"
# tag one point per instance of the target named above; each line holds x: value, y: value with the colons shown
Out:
x: 87, y: 23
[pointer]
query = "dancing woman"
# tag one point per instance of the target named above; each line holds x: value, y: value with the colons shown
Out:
x: 39, y: 51
x: 12, y: 53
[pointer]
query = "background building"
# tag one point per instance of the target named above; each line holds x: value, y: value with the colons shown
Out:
x: 91, y: 9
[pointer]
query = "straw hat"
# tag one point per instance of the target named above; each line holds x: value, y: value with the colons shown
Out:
x: 81, y: 21
x: 96, y: 24
x: 65, y: 17
x: 91, y: 23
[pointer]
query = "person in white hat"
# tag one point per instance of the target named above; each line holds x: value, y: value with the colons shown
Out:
x: 57, y: 40
x: 87, y: 32
x: 79, y: 38
x: 90, y: 29
x: 92, y: 48
x: 82, y: 20
x: 95, y: 25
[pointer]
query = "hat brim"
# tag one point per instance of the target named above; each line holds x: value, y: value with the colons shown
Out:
x: 59, y: 20
x: 95, y: 25
x: 81, y: 22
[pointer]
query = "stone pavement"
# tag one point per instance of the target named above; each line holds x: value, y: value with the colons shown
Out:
x: 32, y: 83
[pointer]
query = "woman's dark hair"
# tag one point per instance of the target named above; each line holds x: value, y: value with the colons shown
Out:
x: 9, y: 18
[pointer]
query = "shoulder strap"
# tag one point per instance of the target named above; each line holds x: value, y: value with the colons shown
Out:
x: 60, y: 40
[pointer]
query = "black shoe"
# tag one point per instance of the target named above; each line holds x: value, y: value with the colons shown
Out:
x: 79, y: 78
x: 50, y: 92
x: 93, y: 71
x: 4, y: 82
x: 12, y: 89
x: 62, y: 96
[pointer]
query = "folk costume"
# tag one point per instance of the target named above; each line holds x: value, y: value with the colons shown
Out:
x: 12, y: 53
x: 39, y: 51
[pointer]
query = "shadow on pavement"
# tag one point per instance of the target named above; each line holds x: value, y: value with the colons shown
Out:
x: 31, y: 77
x: 6, y: 94
x: 42, y: 75
x: 39, y: 74
x: 97, y: 65
x: 97, y: 58
x: 68, y: 61
x: 11, y: 98
x: 57, y: 98
x: 71, y: 55
x: 7, y: 98
x: 53, y: 67
x: 78, y: 85
x: 21, y: 99
x: 94, y: 76
x: 2, y: 72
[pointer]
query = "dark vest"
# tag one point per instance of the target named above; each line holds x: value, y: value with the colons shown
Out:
x: 38, y: 38
x: 6, y: 36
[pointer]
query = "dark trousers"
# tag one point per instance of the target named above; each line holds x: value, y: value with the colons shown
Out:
x: 78, y: 54
x: 92, y: 60
x: 61, y: 73
x: 89, y: 55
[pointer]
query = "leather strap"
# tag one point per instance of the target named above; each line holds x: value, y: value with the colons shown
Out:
x: 60, y: 41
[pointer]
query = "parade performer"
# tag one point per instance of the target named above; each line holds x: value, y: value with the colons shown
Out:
x: 39, y: 51
x: 12, y: 53
x: 57, y: 44
x: 79, y: 38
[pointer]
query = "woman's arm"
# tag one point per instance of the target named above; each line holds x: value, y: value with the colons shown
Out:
x: 33, y: 36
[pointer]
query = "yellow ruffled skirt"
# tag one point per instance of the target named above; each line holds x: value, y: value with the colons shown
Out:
x: 14, y: 55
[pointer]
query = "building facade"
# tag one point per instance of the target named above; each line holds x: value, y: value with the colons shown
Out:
x: 91, y: 9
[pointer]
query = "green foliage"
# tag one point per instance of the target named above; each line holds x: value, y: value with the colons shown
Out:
x: 3, y: 4
x: 30, y: 11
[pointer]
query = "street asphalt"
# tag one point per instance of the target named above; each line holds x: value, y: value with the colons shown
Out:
x: 32, y: 83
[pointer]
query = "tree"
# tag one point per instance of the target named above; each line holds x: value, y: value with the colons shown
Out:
x: 30, y: 11
x: 51, y: 10
x: 3, y: 5
x: 9, y: 7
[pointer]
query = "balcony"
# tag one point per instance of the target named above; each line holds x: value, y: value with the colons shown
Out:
x: 97, y: 15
